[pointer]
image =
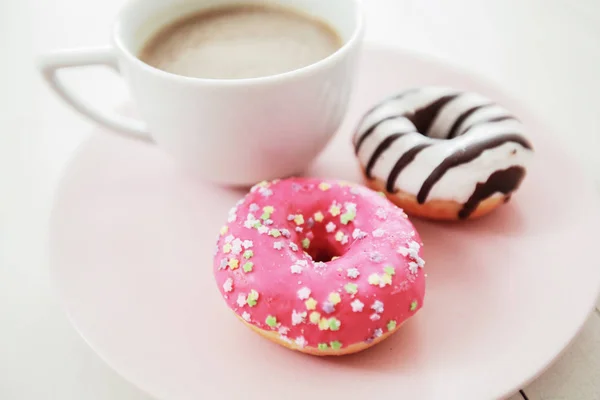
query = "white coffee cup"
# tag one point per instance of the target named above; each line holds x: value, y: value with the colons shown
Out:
x: 229, y: 131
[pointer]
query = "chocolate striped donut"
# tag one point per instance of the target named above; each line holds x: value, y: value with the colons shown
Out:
x: 445, y: 145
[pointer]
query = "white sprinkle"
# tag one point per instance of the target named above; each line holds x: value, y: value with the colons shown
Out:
x: 375, y: 256
x: 265, y: 192
x: 354, y: 190
x: 300, y: 341
x: 381, y: 213
x: 229, y: 238
x: 232, y: 215
x: 278, y: 245
x: 299, y: 229
x: 253, y: 207
x: 378, y: 233
x: 357, y: 305
x: 378, y: 332
x: 328, y: 307
x: 303, y: 263
x: 304, y: 293
x: 249, y: 223
x: 296, y: 269
x: 241, y: 300
x: 375, y: 317
x: 377, y: 306
x: 263, y: 229
x: 298, y: 317
x: 344, y: 239
x: 291, y: 217
x: 403, y: 251
x: 286, y: 233
x: 330, y: 227
x: 353, y: 273
x: 223, y: 263
x: 269, y: 222
x: 358, y: 234
x: 283, y: 330
x: 228, y: 285
x: 350, y: 207
x: 236, y: 247
x: 293, y: 246
x: 247, y: 244
x: 285, y: 339
x: 246, y: 316
x: 319, y: 265
x: 413, y: 267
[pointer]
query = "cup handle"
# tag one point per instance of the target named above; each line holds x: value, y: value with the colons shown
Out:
x: 50, y: 63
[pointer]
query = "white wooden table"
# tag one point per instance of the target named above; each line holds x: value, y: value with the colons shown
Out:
x: 544, y: 51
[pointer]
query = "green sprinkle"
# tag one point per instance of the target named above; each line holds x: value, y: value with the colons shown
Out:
x: 381, y: 194
x: 351, y: 288
x: 248, y: 254
x: 252, y: 298
x: 347, y: 217
x: 271, y: 321
x: 275, y: 233
x: 248, y: 266
x: 322, y: 346
x: 389, y: 270
x: 257, y: 224
x: 265, y: 216
x: 414, y: 305
x: 334, y: 324
x: 391, y: 325
x: 336, y: 345
x: 305, y: 243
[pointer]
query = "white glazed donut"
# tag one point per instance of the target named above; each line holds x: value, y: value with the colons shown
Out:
x: 442, y: 153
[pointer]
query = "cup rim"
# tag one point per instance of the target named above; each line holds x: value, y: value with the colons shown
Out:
x: 353, y: 41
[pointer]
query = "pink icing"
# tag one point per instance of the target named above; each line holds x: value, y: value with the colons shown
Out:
x: 379, y: 252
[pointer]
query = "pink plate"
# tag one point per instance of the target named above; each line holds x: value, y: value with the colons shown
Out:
x: 132, y: 238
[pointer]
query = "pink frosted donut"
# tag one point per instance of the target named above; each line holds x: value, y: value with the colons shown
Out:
x: 320, y: 266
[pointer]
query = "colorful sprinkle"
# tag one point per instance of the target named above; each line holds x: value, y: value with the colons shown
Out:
x: 228, y: 285
x: 375, y: 317
x: 381, y: 213
x: 324, y: 186
x: 336, y: 345
x: 328, y: 307
x: 322, y: 346
x: 305, y: 243
x: 314, y: 317
x: 304, y: 293
x: 377, y: 233
x: 252, y: 298
x: 296, y: 269
x: 414, y: 305
x: 413, y: 267
x: 247, y: 244
x: 351, y: 288
x: 227, y: 248
x: 300, y: 341
x: 330, y: 227
x: 271, y: 321
x: 334, y: 298
x: 311, y: 304
x: 246, y: 316
x: 324, y: 324
x: 319, y: 216
x: 339, y: 236
x: 378, y: 332
x: 248, y: 266
x: 335, y: 210
x: 377, y: 306
x: 389, y: 270
x: 358, y: 234
x: 234, y: 263
x: 248, y: 254
x: 374, y: 279
x: 298, y: 317
x: 275, y: 233
x: 224, y: 230
x: 293, y: 246
x: 242, y: 300
x: 334, y: 324
x: 353, y: 273
x: 385, y: 280
x: 299, y: 219
x: 357, y: 305
x: 278, y: 245
x: 391, y: 325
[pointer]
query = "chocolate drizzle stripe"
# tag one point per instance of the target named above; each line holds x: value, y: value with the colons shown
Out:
x: 466, y: 114
x: 490, y: 121
x: 370, y: 131
x: 383, y: 146
x: 402, y: 163
x: 505, y: 181
x: 465, y: 155
x: 423, y: 118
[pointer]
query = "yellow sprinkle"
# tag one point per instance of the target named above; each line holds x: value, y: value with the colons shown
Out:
x: 334, y: 258
x: 334, y: 298
x: 335, y: 210
x: 227, y: 248
x: 374, y: 279
x: 314, y: 317
x: 324, y: 324
x: 387, y: 279
x: 324, y: 186
x: 319, y: 216
x: 339, y: 236
x: 263, y: 184
x: 233, y: 263
x: 269, y: 209
x: 311, y: 304
x: 224, y: 230
x: 299, y: 219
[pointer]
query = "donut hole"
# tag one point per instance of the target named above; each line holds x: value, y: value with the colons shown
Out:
x: 322, y: 250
